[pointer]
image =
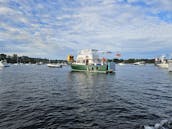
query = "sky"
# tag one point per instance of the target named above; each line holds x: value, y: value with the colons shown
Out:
x: 55, y: 28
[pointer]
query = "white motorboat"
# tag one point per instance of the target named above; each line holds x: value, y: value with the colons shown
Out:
x: 163, y: 65
x: 1, y: 64
x: 16, y: 64
x: 161, y: 62
x: 121, y: 64
x: 54, y: 65
x: 4, y: 64
x: 39, y: 63
x: 139, y: 63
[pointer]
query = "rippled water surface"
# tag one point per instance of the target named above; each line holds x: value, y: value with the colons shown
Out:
x: 38, y: 97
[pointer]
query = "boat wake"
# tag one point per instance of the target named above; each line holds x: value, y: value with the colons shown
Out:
x: 164, y: 124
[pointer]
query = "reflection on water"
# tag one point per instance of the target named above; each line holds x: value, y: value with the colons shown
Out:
x: 86, y: 83
x: 39, y: 97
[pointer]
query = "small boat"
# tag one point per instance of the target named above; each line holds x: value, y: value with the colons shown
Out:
x: 163, y: 65
x: 16, y: 64
x: 88, y: 61
x: 54, y: 65
x: 1, y: 64
x: 121, y: 63
x: 139, y: 63
x: 161, y: 62
x: 39, y: 63
x: 4, y: 64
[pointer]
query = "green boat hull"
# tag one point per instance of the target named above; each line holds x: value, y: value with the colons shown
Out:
x: 90, y: 68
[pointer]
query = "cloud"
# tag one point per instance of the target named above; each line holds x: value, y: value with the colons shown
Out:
x: 57, y: 28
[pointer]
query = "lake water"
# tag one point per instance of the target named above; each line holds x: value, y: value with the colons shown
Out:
x: 38, y: 97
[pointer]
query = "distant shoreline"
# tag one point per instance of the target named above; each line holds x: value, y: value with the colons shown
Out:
x: 26, y: 59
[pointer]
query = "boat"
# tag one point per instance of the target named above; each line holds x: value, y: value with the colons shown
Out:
x: 163, y: 65
x: 16, y: 64
x: 121, y: 63
x: 139, y: 63
x: 88, y: 60
x: 161, y: 62
x: 39, y: 63
x: 3, y: 63
x: 51, y: 65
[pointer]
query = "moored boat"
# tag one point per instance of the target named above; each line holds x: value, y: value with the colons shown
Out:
x: 161, y: 62
x: 121, y: 63
x: 54, y: 65
x: 88, y: 60
x: 39, y: 63
x: 139, y: 63
x: 163, y: 65
x: 1, y: 64
x: 4, y: 63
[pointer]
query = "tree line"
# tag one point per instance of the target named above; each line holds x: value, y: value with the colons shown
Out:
x: 132, y: 60
x: 25, y: 59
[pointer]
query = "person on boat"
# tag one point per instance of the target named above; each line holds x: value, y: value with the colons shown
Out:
x: 86, y: 61
x: 103, y: 60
